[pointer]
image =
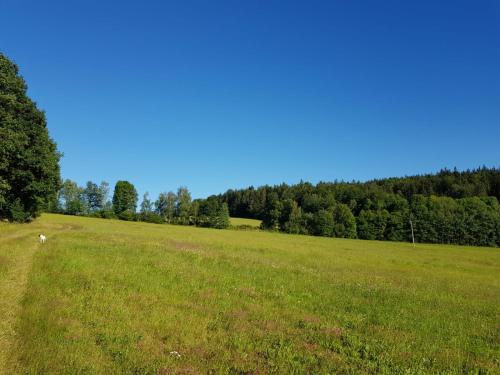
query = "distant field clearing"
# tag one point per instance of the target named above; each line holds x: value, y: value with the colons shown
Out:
x: 236, y: 221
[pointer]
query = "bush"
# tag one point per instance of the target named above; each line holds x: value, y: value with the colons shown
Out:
x: 107, y: 214
x: 127, y: 215
x: 18, y: 213
x: 151, y: 217
x: 243, y: 227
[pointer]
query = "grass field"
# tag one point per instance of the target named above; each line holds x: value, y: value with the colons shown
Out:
x: 237, y: 221
x: 111, y: 297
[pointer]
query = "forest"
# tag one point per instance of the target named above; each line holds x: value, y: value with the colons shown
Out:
x: 449, y: 207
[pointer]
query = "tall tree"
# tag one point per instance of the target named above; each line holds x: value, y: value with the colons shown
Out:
x: 147, y: 213
x: 165, y: 206
x: 103, y: 195
x: 124, y: 198
x: 207, y: 212
x: 92, y: 196
x: 72, y: 198
x: 345, y: 222
x: 294, y: 221
x: 183, y: 208
x: 322, y: 223
x: 29, y: 160
x: 146, y: 204
x: 211, y: 212
x: 222, y: 221
x: 272, y: 212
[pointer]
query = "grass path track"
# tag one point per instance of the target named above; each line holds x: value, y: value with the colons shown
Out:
x: 12, y: 288
x: 18, y: 245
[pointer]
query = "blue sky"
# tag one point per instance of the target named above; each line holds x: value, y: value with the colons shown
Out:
x: 226, y: 94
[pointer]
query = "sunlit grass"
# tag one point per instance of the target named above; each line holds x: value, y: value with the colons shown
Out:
x: 109, y: 297
x: 238, y: 221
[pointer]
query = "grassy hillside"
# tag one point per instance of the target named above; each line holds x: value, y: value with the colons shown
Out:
x: 110, y: 297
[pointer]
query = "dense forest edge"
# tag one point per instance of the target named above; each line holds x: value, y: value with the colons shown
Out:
x: 449, y: 207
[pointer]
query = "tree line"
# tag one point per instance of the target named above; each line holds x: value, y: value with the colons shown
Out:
x: 173, y: 208
x: 448, y: 207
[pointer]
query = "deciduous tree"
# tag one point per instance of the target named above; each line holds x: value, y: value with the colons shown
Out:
x: 124, y: 198
x: 29, y: 160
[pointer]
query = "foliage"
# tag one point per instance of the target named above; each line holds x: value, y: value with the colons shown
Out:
x: 29, y: 160
x: 344, y: 222
x: 169, y: 207
x: 183, y: 205
x: 165, y: 206
x: 96, y: 196
x: 124, y: 198
x: 322, y: 223
x: 272, y: 212
x: 448, y: 207
x: 146, y: 204
x: 127, y: 215
x: 146, y: 213
x: 73, y: 200
x: 213, y: 213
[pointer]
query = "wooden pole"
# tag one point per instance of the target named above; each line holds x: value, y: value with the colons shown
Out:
x: 412, y: 236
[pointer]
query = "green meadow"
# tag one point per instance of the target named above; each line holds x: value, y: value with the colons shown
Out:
x: 113, y: 297
x: 237, y: 222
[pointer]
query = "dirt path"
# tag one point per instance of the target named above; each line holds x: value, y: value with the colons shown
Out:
x: 17, y: 252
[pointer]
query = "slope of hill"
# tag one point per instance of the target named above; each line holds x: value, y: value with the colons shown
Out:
x: 106, y: 296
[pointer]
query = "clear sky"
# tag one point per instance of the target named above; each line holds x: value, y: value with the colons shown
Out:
x: 226, y: 94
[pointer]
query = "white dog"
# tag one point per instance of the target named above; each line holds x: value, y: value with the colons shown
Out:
x: 42, y: 238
